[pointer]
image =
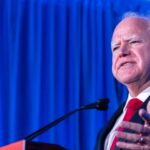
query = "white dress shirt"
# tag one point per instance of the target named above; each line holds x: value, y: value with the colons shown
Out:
x: 110, y: 137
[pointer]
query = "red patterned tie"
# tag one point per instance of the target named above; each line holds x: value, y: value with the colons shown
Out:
x: 132, y: 106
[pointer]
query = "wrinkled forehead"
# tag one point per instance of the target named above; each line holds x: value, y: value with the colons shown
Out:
x: 129, y: 37
x: 131, y: 27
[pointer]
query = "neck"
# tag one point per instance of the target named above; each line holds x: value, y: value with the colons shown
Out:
x: 135, y: 89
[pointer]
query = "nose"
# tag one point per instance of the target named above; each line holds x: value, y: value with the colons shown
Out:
x: 124, y: 50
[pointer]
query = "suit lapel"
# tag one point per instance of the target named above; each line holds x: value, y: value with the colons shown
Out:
x: 104, y: 132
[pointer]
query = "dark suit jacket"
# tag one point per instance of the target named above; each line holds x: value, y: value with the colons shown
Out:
x: 103, y: 133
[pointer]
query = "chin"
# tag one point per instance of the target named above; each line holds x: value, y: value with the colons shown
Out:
x: 127, y: 80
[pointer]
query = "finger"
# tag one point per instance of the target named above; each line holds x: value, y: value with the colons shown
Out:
x: 148, y: 107
x: 136, y: 138
x: 145, y: 116
x: 128, y: 136
x: 132, y: 146
x: 138, y: 128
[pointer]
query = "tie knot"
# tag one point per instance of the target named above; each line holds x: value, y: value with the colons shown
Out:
x: 134, y: 103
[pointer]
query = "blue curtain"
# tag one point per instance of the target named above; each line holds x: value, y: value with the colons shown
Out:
x: 55, y: 56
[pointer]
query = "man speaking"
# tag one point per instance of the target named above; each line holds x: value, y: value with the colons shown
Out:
x: 129, y: 127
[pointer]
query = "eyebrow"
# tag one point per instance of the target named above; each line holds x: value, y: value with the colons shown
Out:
x: 126, y: 38
x: 113, y: 44
x: 133, y: 37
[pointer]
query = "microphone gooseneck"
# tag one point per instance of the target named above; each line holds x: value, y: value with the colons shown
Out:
x: 101, y: 104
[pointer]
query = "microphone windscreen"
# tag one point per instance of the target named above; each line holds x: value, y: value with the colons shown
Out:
x: 102, y: 104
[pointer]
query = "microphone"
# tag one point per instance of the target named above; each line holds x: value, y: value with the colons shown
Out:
x: 101, y: 104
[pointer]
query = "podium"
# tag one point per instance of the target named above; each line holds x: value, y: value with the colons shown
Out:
x: 23, y: 145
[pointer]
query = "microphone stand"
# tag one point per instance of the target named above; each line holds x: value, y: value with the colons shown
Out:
x: 101, y: 104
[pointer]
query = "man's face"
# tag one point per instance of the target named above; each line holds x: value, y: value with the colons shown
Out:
x: 131, y: 51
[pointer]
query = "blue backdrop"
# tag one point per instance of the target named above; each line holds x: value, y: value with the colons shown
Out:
x: 55, y: 56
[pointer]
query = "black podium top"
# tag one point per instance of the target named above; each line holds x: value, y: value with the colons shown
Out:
x: 43, y: 146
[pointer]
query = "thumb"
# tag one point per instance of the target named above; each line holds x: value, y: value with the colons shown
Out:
x: 148, y: 107
x: 145, y: 115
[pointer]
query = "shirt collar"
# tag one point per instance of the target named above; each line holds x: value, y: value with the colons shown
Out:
x: 142, y: 96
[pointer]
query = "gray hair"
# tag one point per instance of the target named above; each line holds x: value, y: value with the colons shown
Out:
x: 137, y: 15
